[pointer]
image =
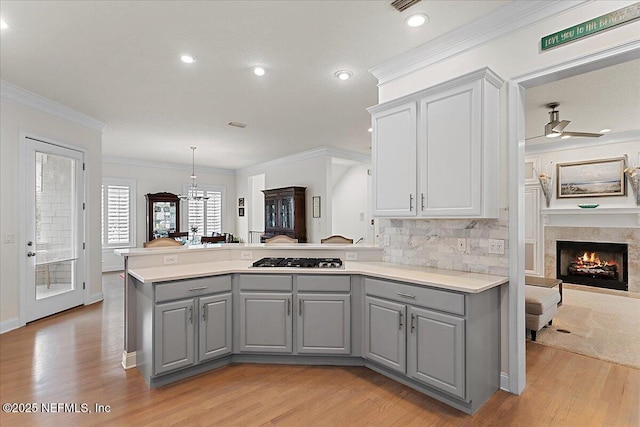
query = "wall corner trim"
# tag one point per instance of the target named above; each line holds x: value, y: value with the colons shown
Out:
x: 39, y: 102
x: 503, y: 21
x: 9, y: 325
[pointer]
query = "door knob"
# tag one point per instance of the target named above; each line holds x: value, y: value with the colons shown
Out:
x: 30, y: 254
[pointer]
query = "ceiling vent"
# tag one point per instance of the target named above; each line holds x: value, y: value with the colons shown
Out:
x: 401, y: 5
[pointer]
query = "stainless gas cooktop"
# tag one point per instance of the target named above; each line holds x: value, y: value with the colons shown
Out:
x: 299, y: 262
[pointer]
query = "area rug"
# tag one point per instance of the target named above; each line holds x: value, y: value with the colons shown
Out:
x: 599, y: 325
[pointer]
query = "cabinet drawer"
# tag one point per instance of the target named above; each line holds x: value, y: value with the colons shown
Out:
x: 192, y: 287
x: 324, y: 283
x: 425, y: 297
x: 266, y: 282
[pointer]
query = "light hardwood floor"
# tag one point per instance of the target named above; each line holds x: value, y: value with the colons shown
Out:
x: 75, y: 357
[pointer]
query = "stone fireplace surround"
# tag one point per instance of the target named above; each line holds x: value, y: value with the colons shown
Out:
x: 630, y: 236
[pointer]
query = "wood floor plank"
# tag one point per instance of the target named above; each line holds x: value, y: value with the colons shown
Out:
x: 75, y: 357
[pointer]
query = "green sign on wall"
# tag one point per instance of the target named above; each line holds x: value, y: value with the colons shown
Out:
x: 591, y: 26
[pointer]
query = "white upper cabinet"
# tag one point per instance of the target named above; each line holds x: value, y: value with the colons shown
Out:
x: 436, y: 152
x: 394, y: 160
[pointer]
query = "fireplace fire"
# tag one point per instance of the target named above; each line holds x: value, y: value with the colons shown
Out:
x: 590, y: 265
x: 602, y: 265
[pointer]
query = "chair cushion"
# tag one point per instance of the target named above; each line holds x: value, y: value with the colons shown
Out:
x: 538, y: 299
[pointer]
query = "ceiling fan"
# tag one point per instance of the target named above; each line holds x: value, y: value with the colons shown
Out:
x: 555, y: 127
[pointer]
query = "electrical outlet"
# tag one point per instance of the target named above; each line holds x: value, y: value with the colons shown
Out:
x: 170, y: 259
x: 496, y: 246
x: 386, y: 240
x: 361, y: 215
x: 246, y: 255
x: 462, y: 245
x: 9, y: 238
x: 352, y: 256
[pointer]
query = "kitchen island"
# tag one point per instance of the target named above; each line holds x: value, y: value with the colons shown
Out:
x: 434, y: 330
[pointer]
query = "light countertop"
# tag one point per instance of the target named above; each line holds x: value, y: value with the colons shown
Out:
x: 245, y: 246
x: 424, y: 276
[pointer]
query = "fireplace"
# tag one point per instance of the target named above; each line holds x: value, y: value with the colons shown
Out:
x: 603, y: 265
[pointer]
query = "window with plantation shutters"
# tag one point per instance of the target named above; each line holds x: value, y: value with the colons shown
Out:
x: 118, y: 205
x: 206, y: 214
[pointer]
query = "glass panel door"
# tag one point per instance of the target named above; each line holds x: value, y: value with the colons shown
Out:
x: 54, y: 231
x: 286, y: 210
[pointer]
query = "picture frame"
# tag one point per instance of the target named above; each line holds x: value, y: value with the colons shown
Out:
x: 241, y: 202
x: 240, y: 211
x: 316, y: 206
x: 591, y: 178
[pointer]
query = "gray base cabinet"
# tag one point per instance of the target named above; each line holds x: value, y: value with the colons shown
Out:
x: 445, y: 340
x: 215, y: 326
x: 436, y: 349
x: 174, y: 335
x: 324, y: 324
x: 385, y: 333
x: 266, y: 322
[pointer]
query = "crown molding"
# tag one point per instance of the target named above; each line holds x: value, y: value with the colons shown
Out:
x: 307, y: 155
x: 503, y: 21
x: 38, y: 102
x: 577, y: 143
x: 164, y: 165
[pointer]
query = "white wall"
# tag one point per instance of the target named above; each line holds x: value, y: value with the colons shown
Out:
x: 16, y: 117
x: 169, y: 178
x: 350, y: 203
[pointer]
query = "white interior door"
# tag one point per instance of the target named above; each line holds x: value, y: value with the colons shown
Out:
x: 54, y: 227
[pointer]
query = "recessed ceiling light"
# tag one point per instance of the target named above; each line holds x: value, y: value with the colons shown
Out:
x: 258, y: 70
x: 370, y: 130
x: 343, y: 74
x: 565, y: 137
x: 553, y: 135
x: 188, y: 59
x: 416, y: 20
x: 605, y: 130
x: 3, y: 25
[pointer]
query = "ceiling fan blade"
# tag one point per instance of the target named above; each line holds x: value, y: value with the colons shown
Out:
x: 583, y: 134
x: 560, y: 126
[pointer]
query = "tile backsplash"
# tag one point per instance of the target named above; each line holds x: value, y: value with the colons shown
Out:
x: 434, y: 243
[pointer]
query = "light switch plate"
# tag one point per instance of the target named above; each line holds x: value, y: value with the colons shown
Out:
x: 496, y: 246
x: 170, y: 259
x: 246, y: 255
x: 462, y: 245
x: 352, y: 256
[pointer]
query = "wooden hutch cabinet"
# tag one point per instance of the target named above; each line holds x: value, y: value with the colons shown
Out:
x: 163, y: 215
x: 284, y: 213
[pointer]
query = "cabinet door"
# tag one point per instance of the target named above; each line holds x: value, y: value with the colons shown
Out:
x: 385, y: 337
x: 270, y: 212
x: 265, y: 322
x: 324, y: 324
x: 394, y: 161
x: 215, y: 327
x: 286, y: 210
x: 436, y: 350
x: 174, y: 336
x: 450, y: 149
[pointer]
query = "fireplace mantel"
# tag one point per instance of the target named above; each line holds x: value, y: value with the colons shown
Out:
x: 595, y: 217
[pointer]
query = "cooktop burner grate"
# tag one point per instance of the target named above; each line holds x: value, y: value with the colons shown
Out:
x: 299, y: 262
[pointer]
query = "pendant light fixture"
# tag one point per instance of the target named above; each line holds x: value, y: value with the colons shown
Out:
x: 192, y: 194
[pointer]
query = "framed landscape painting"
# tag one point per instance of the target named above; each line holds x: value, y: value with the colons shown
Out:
x: 593, y: 178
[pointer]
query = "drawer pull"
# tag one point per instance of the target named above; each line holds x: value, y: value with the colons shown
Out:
x: 402, y: 294
x: 201, y: 288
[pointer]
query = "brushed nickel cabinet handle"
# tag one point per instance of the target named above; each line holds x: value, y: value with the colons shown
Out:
x: 422, y: 201
x: 288, y: 307
x: 204, y: 312
x: 412, y: 325
x: 402, y: 294
x: 300, y: 302
x: 410, y: 202
x: 400, y: 313
x: 202, y: 288
x: 191, y: 314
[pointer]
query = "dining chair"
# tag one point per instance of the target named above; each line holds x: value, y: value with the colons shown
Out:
x: 281, y: 238
x: 336, y: 238
x: 160, y: 242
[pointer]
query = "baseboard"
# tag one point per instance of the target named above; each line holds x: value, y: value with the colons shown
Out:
x: 504, y: 382
x: 95, y: 298
x: 128, y: 359
x: 9, y: 325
